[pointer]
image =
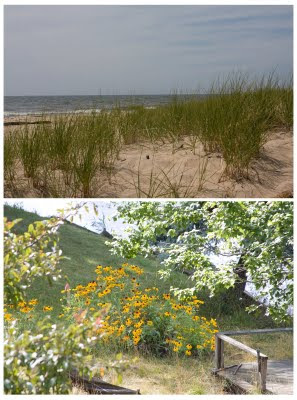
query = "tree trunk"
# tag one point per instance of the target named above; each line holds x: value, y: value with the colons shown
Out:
x: 241, y: 279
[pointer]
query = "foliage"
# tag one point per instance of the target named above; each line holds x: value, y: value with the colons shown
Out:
x: 39, y: 362
x: 140, y: 318
x: 261, y: 233
x: 28, y: 256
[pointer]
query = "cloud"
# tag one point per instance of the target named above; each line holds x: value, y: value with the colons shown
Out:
x: 140, y: 49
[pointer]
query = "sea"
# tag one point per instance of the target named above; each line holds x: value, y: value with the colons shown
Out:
x: 36, y: 105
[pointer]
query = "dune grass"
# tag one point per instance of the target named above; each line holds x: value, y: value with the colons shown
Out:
x: 234, y: 119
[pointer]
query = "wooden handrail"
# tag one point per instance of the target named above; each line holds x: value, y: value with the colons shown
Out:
x: 240, y: 345
x: 256, y: 331
x: 262, y: 359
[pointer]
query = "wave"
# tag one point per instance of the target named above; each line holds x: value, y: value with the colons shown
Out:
x: 41, y: 113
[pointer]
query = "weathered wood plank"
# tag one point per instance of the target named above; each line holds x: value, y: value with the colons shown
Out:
x: 279, y: 379
x: 98, y: 386
x: 10, y: 123
x: 219, y: 353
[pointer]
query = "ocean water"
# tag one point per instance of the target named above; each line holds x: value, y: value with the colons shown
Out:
x: 36, y: 105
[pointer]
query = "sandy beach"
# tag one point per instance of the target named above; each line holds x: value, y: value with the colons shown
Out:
x: 174, y: 170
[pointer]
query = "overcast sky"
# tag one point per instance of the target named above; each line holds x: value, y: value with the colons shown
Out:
x: 50, y: 207
x: 76, y: 50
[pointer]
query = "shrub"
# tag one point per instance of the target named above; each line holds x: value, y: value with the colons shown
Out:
x: 28, y: 256
x: 39, y: 362
x: 138, y: 318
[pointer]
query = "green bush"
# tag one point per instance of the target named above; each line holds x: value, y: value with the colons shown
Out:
x: 138, y: 318
x: 39, y: 362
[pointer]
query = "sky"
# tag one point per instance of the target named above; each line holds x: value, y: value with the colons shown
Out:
x: 50, y: 207
x: 85, y: 50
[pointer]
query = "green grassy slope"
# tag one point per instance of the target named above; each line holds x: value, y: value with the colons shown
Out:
x: 84, y: 251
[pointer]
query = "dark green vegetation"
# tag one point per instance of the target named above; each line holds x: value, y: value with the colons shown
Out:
x: 62, y: 159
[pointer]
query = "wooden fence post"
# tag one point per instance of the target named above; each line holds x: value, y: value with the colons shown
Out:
x: 262, y: 371
x: 219, y: 353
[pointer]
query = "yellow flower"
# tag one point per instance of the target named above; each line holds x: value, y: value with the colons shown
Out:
x: 137, y: 332
x: 150, y: 323
x: 47, y: 308
x: 167, y: 314
x: 26, y: 309
x: 121, y: 329
x: 175, y: 349
x: 188, y: 346
x: 138, y: 325
x: 8, y: 317
x: 61, y: 315
x: 33, y: 302
x: 188, y: 353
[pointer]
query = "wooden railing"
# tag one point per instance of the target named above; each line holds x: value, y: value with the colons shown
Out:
x: 262, y: 359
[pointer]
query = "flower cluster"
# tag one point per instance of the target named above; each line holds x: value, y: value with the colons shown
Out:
x: 21, y: 308
x: 136, y: 316
x: 24, y: 307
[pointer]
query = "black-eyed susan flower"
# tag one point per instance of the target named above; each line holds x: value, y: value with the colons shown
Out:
x: 47, y: 308
x: 8, y: 317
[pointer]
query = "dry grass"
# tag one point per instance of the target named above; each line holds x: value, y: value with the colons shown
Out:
x: 277, y: 346
x: 170, y: 376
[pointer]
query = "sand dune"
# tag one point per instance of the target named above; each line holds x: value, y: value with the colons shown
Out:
x: 167, y: 170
